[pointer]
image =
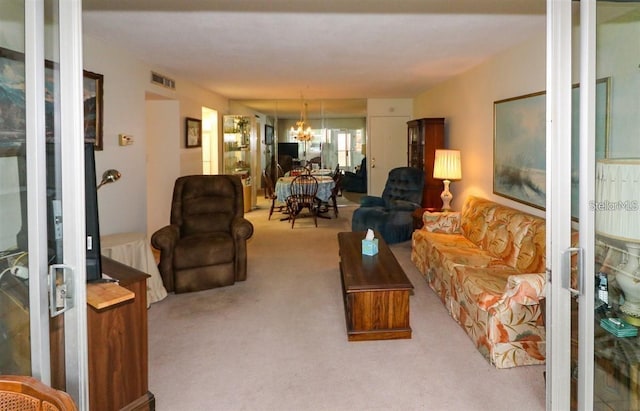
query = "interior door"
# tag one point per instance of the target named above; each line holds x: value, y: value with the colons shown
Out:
x: 42, y: 194
x: 387, y: 149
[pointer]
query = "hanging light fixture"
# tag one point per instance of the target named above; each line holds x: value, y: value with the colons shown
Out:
x: 302, y: 130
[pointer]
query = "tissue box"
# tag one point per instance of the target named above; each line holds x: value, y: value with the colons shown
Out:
x: 370, y: 247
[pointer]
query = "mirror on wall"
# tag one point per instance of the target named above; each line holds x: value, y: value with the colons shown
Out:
x: 337, y: 128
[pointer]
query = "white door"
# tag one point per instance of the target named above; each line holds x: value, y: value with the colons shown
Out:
x: 594, y: 351
x: 387, y: 149
x: 42, y: 196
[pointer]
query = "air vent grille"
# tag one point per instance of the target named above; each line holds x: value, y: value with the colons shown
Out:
x: 163, y: 81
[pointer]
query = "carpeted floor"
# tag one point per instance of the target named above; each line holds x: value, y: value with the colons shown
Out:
x: 278, y: 341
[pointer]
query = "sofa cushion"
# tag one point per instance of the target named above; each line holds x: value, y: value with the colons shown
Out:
x: 484, y: 288
x: 475, y: 217
x: 511, y: 235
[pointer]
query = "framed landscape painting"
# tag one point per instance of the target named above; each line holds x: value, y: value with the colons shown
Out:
x: 519, y: 161
x: 12, y: 99
x: 519, y: 145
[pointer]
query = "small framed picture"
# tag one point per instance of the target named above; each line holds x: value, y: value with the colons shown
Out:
x: 268, y: 134
x: 193, y: 132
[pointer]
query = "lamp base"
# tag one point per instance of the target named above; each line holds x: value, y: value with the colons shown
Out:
x: 633, y: 320
x: 629, y: 283
x: 446, y: 196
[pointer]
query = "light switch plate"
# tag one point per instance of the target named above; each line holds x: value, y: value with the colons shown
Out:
x: 125, y: 139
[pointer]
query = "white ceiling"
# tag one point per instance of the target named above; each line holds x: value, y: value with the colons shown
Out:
x: 259, y: 51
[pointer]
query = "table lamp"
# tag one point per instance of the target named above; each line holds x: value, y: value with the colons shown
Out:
x: 447, y: 167
x: 618, y: 218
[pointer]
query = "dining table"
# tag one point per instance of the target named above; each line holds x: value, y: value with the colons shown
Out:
x: 321, y: 172
x: 325, y: 185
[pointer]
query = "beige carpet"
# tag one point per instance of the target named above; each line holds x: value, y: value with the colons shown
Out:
x: 278, y: 341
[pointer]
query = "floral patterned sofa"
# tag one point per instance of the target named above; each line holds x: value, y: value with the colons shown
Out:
x: 487, y: 265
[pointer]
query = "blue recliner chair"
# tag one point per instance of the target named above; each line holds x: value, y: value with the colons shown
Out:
x: 356, y: 182
x: 391, y: 214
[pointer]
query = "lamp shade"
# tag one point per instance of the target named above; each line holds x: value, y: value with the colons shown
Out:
x: 618, y: 199
x: 447, y: 165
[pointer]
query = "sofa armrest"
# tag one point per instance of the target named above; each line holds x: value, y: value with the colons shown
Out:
x: 371, y: 201
x: 524, y: 289
x: 445, y: 222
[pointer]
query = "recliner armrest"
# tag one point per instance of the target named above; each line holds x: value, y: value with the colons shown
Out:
x: 166, y: 237
x: 371, y: 201
x: 241, y: 228
x: 165, y: 240
x: 402, y: 205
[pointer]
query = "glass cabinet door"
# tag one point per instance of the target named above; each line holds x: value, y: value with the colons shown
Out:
x: 416, y: 145
x: 239, y: 152
x: 237, y: 146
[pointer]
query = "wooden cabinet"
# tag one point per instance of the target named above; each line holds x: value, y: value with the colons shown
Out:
x: 425, y: 135
x: 118, y: 352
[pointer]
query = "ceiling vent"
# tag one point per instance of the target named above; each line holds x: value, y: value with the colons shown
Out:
x: 163, y: 81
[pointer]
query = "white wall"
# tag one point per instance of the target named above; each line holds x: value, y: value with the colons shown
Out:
x: 123, y: 205
x: 466, y: 103
x: 162, y: 164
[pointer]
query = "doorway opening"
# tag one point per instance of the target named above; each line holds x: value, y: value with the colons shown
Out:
x: 210, y: 144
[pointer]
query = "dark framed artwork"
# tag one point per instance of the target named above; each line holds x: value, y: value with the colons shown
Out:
x: 268, y: 134
x: 12, y: 99
x: 92, y: 86
x: 193, y: 132
x: 519, y: 145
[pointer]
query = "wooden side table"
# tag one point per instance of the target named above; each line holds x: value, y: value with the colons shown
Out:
x: 117, y: 333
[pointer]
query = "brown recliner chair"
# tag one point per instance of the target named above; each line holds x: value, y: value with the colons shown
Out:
x: 205, y: 246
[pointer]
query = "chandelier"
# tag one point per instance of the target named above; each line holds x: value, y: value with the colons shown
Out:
x: 302, y: 130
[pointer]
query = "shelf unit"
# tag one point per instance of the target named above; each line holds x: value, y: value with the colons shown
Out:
x: 238, y: 152
x: 424, y: 136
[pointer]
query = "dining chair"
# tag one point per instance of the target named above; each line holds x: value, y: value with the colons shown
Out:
x: 270, y: 193
x: 298, y: 170
x: 303, y: 195
x: 336, y: 171
x: 335, y: 192
x: 29, y: 393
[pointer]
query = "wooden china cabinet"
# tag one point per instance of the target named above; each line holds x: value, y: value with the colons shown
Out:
x: 425, y: 136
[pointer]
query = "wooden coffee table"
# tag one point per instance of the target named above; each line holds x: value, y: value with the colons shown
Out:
x: 375, y: 290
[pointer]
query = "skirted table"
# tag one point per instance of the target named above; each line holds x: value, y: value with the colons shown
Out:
x: 134, y: 250
x: 325, y: 185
